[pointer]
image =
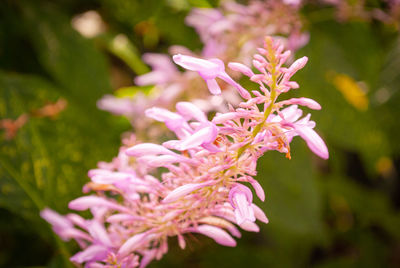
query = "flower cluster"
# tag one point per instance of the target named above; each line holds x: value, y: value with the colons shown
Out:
x: 230, y: 33
x: 207, y: 170
x: 233, y: 31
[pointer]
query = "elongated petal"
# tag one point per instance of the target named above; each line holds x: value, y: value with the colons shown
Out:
x: 163, y: 160
x: 99, y: 233
x: 205, y: 67
x: 148, y: 149
x: 123, y: 217
x: 310, y: 103
x: 181, y: 241
x: 258, y: 188
x: 204, y: 135
x: 184, y: 190
x: 188, y: 110
x: 111, y: 177
x: 161, y: 114
x: 91, y: 253
x: 314, y: 141
x: 222, y: 118
x: 55, y: 219
x: 219, y: 235
x: 260, y: 215
x: 243, y: 92
x: 148, y: 256
x: 250, y: 226
x: 241, y: 68
x: 86, y: 202
x: 133, y: 243
x: 291, y: 113
x: 297, y: 65
x: 222, y: 223
x: 213, y: 86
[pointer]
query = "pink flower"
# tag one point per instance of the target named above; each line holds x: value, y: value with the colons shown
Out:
x: 163, y: 71
x: 200, y: 187
x: 209, y: 70
x: 241, y: 199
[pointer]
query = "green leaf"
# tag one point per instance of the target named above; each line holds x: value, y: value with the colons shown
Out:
x: 70, y: 59
x: 46, y: 163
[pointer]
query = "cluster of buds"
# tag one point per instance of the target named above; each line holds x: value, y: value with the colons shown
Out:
x: 206, y: 172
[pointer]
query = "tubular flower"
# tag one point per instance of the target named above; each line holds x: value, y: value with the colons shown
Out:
x: 201, y: 188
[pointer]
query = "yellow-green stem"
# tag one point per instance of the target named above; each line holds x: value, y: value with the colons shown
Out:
x: 267, y: 111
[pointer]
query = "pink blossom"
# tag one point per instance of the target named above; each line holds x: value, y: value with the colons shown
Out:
x: 241, y: 199
x: 209, y: 70
x: 201, y: 186
x: 163, y: 71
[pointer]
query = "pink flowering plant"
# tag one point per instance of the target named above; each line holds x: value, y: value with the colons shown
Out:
x: 230, y: 32
x: 208, y: 170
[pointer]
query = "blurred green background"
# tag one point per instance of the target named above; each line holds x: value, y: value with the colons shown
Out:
x: 344, y: 212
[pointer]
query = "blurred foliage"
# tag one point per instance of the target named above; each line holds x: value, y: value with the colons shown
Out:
x: 343, y: 212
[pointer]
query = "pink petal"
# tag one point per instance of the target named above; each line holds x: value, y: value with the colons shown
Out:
x: 250, y: 226
x: 162, y: 115
x: 241, y: 68
x: 134, y: 243
x: 204, y: 135
x: 184, y: 190
x: 207, y: 69
x: 240, y: 189
x: 163, y: 160
x: 219, y: 235
x: 297, y: 65
x: 148, y: 256
x: 213, y: 86
x: 123, y: 217
x: 188, y: 110
x: 86, y: 202
x: 222, y: 118
x: 260, y: 215
x: 243, y: 92
x: 314, y: 141
x: 91, y: 253
x: 310, y: 103
x: 259, y: 190
x: 243, y: 211
x: 99, y: 233
x: 291, y: 113
x: 148, y: 149
x: 55, y: 219
x: 181, y: 241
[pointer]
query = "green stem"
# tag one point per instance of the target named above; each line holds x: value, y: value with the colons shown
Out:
x: 267, y: 111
